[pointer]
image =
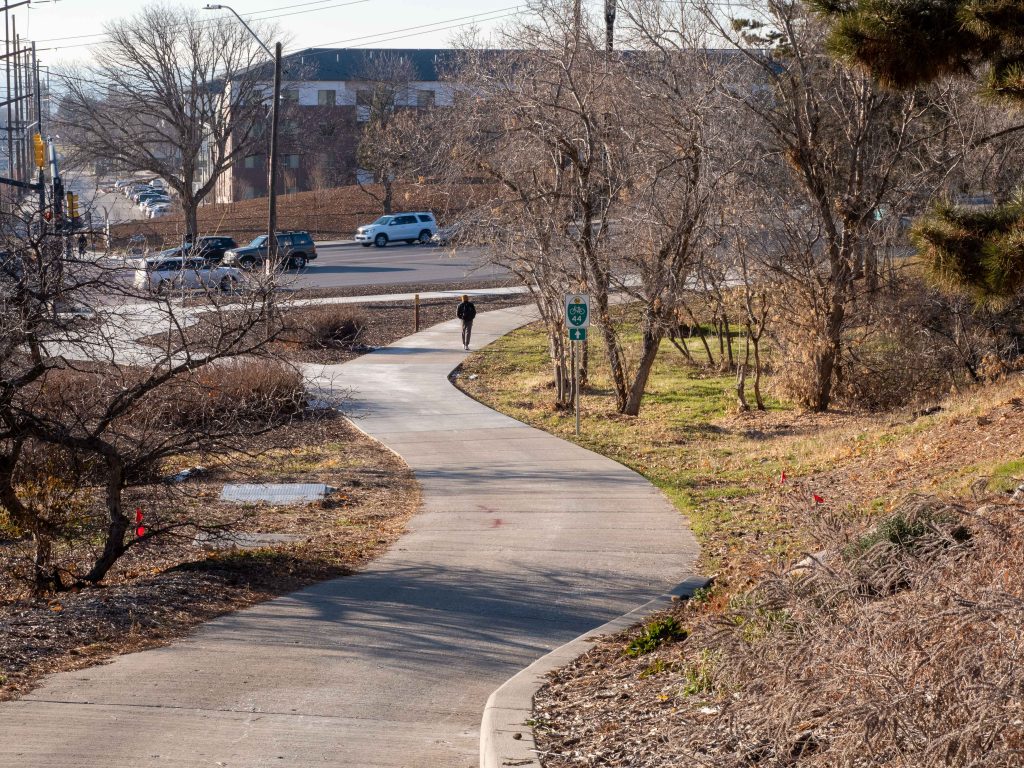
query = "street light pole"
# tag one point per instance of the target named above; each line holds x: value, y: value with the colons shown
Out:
x: 271, y: 262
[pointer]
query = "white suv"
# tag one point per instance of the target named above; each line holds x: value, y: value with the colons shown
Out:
x: 417, y: 227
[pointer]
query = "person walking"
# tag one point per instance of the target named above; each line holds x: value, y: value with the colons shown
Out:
x: 466, y: 312
x: 82, y: 242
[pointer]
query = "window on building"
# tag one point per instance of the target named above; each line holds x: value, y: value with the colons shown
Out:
x: 364, y: 97
x: 425, y: 98
x: 327, y: 98
x: 291, y: 161
x: 251, y: 161
x: 290, y: 96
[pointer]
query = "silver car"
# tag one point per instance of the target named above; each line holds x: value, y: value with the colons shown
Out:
x: 159, y: 274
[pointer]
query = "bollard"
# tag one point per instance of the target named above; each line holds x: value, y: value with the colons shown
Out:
x: 416, y: 314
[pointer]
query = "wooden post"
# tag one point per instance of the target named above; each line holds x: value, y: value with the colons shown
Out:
x: 416, y: 314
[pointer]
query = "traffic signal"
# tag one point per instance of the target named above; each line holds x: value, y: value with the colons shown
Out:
x: 72, y: 209
x: 40, y: 148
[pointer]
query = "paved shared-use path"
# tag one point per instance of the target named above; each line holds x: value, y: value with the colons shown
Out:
x: 522, y: 543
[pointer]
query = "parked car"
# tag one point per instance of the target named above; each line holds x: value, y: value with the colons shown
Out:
x: 160, y: 273
x: 149, y: 202
x: 295, y: 248
x: 158, y: 210
x: 143, y: 197
x: 136, y: 189
x: 418, y: 226
x: 209, y: 248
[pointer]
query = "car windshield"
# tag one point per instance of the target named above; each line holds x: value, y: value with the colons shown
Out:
x: 258, y: 241
x: 382, y: 221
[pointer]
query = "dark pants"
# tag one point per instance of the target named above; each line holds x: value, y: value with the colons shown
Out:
x: 467, y: 329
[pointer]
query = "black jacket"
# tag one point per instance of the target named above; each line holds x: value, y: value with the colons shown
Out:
x: 466, y: 311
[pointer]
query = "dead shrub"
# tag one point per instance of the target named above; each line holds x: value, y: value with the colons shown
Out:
x: 329, y: 326
x: 905, y: 344
x: 232, y: 395
x: 921, y: 669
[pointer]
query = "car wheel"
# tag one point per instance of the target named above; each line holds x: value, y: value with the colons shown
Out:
x: 425, y: 237
x: 249, y: 263
x: 367, y: 245
x: 226, y: 284
x: 298, y: 262
x: 163, y: 286
x: 380, y: 240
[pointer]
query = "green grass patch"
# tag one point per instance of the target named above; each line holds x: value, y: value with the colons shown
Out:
x: 1006, y: 477
x: 654, y: 634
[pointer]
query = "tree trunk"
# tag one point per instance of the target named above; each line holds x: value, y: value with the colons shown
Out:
x: 679, y: 342
x: 584, y: 371
x: 757, y: 373
x: 191, y: 210
x: 117, y: 524
x: 826, y: 363
x: 741, y: 375
x: 741, y: 385
x: 611, y: 345
x: 389, y: 193
x: 728, y: 340
x: 651, y: 343
x: 700, y: 333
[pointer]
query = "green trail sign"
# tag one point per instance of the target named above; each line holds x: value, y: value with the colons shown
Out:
x: 577, y: 334
x: 577, y: 311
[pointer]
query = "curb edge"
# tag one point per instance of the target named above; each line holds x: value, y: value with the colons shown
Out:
x: 506, y: 738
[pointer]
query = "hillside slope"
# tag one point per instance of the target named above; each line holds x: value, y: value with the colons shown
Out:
x: 328, y: 214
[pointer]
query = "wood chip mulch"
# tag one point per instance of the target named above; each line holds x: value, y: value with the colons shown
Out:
x: 162, y: 591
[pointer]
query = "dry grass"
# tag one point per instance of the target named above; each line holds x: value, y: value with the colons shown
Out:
x: 900, y: 646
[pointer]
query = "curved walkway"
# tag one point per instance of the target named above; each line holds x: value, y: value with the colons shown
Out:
x: 522, y: 543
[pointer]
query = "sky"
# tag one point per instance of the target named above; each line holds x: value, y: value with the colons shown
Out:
x: 63, y: 29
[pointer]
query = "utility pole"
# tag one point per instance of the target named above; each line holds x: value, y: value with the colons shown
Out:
x: 609, y: 20
x: 271, y: 261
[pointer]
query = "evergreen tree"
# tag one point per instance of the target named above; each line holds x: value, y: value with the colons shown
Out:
x: 906, y: 43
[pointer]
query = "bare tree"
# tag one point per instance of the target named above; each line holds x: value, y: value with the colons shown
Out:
x: 606, y: 174
x: 88, y: 417
x: 169, y: 92
x: 388, y: 141
x: 827, y: 152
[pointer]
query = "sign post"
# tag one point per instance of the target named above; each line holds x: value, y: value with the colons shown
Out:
x: 577, y: 320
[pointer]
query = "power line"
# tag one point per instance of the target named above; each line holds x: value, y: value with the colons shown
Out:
x: 509, y: 11
x: 213, y: 20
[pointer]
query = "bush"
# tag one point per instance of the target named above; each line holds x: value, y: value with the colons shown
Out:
x: 248, y: 394
x: 324, y: 327
x: 905, y: 344
x: 654, y: 634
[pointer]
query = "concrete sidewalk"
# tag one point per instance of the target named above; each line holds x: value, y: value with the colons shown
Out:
x: 523, y: 543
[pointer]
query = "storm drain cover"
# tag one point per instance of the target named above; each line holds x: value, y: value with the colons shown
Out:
x: 275, y: 493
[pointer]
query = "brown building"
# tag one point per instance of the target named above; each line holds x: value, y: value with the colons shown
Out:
x: 325, y: 98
